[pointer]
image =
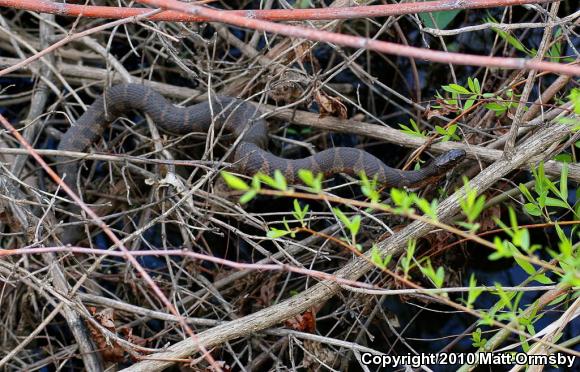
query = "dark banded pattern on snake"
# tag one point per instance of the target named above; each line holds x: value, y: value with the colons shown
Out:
x: 239, y: 118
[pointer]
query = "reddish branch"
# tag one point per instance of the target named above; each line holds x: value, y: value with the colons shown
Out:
x: 46, y: 6
x: 100, y: 223
x: 364, y: 43
x: 196, y: 256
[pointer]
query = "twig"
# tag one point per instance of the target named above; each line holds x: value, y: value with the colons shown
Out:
x: 272, y: 15
x: 365, y: 43
x: 305, y: 118
x: 513, y: 133
x: 105, y: 229
x: 73, y: 37
x: 325, y: 290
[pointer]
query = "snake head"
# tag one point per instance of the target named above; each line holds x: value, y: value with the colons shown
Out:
x: 448, y: 160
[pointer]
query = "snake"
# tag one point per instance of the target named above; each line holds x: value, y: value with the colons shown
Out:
x: 244, y: 121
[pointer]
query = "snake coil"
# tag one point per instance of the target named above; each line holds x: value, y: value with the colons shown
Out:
x: 236, y: 117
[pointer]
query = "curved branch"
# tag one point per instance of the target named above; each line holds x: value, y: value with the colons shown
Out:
x: 90, y: 11
x: 357, y: 267
x: 365, y: 43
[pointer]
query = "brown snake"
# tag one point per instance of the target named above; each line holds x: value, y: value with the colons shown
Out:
x: 236, y: 117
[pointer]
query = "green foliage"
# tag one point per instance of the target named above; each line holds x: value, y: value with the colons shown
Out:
x: 248, y: 196
x: 473, y: 292
x: 352, y: 224
x: 310, y: 180
x: 441, y: 19
x: 413, y: 130
x: 478, y: 342
x: 471, y: 206
x: 437, y: 277
x: 278, y: 182
x: 510, y: 39
x: 548, y: 194
x: 543, y: 199
x: 409, y: 256
x: 300, y: 213
x: 514, y: 42
x: 403, y: 201
x: 447, y: 133
x: 274, y: 233
x: 379, y: 261
x: 468, y: 95
x: 428, y: 208
x: 501, y: 105
x: 464, y: 97
x: 303, y: 4
x: 575, y: 99
x: 520, y: 240
x: 234, y: 182
x: 520, y: 237
x: 369, y: 188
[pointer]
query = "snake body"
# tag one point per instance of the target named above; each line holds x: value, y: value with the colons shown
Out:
x: 236, y: 117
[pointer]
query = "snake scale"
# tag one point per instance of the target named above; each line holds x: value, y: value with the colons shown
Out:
x: 236, y: 117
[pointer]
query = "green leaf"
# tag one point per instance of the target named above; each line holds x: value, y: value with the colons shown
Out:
x: 542, y: 279
x: 303, y: 4
x: 440, y: 277
x: 249, y: 195
x: 314, y: 182
x: 474, y: 85
x: 526, y: 192
x: 513, y: 41
x: 497, y: 107
x: 440, y: 130
x: 280, y: 180
x: 266, y: 179
x: 471, y: 85
x: 355, y: 225
x: 369, y: 188
x: 456, y: 88
x: 277, y: 182
x: 234, y: 182
x: 553, y: 202
x: 473, y: 293
x: 256, y: 185
x: 442, y: 19
x: 525, y: 265
x: 575, y: 99
x: 452, y: 129
x: 471, y: 204
x: 469, y: 103
x: 342, y: 217
x: 274, y: 233
x: 505, y: 298
x: 565, y: 244
x: 513, y: 218
x: 377, y: 259
x: 414, y: 130
x: 564, y: 181
x: 479, y: 342
x: 429, y: 209
x: 502, y: 249
x: 521, y: 238
x: 300, y: 213
x: 306, y: 176
x: 564, y: 158
x: 558, y: 300
x: 402, y: 199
